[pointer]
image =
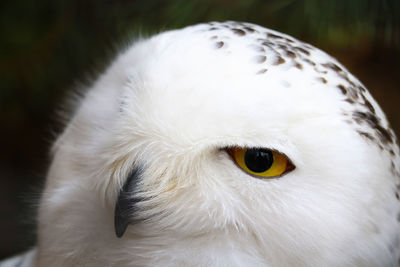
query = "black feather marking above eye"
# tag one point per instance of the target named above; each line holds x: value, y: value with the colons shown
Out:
x: 125, y: 206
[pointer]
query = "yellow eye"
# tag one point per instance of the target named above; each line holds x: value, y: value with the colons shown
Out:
x: 260, y: 161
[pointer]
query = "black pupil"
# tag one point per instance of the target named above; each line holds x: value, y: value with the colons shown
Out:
x: 258, y: 160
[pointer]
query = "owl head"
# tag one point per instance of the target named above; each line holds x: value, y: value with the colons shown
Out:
x: 223, y: 144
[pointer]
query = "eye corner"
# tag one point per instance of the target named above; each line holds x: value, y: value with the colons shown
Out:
x: 290, y: 166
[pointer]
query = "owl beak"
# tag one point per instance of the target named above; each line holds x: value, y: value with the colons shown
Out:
x: 125, y: 208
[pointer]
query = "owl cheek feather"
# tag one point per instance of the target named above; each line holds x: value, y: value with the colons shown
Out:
x: 125, y: 207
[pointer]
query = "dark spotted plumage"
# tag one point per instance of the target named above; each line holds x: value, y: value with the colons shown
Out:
x: 271, y: 49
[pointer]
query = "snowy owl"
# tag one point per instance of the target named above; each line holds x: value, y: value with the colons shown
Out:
x: 223, y: 144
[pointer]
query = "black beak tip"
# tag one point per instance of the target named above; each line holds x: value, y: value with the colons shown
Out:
x: 120, y: 225
x: 125, y: 205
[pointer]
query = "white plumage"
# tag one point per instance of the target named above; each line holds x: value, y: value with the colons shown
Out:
x: 162, y: 120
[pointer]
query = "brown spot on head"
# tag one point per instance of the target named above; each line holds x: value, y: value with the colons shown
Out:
x: 290, y: 54
x: 214, y: 37
x: 384, y: 135
x: 309, y: 61
x: 251, y: 30
x: 282, y: 46
x: 239, y: 32
x: 279, y: 61
x: 299, y: 66
x: 342, y: 89
x: 219, y: 44
x: 322, y: 79
x: 302, y: 50
x: 366, y: 135
x: 268, y: 44
x: 349, y: 100
x: 288, y: 40
x: 332, y: 66
x: 274, y: 36
x: 369, y: 105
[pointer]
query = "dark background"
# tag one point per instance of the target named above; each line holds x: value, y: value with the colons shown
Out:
x: 49, y: 47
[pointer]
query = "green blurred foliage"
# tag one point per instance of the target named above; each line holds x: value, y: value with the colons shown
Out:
x: 48, y: 47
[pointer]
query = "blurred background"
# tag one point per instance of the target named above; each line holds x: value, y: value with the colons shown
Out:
x: 49, y: 47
